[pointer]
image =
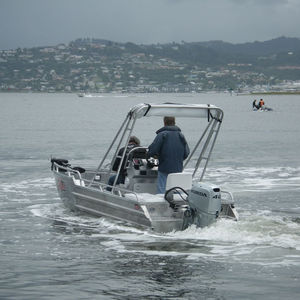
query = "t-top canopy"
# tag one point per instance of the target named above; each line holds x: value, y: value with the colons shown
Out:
x: 176, y: 110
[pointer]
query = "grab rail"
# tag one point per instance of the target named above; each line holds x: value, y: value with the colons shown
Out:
x: 90, y: 183
x: 229, y: 201
x: 56, y: 167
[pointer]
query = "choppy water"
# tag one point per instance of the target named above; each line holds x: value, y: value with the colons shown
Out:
x: 48, y: 252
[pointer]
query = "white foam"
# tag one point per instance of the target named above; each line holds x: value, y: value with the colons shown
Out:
x: 27, y: 185
x: 250, y: 240
x: 255, y: 178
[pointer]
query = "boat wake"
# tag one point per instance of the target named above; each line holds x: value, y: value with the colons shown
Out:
x: 256, y: 239
x: 261, y: 236
x: 256, y: 179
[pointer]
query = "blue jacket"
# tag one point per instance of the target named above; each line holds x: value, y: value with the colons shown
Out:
x: 171, y: 148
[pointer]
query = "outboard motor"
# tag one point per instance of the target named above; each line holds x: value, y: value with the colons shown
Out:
x: 205, y: 205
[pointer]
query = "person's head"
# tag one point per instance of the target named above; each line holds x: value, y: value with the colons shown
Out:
x: 169, y: 121
x: 134, y: 140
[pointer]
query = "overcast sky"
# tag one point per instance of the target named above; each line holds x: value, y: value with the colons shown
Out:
x: 28, y: 23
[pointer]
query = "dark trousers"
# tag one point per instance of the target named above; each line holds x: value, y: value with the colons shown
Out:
x: 111, y: 180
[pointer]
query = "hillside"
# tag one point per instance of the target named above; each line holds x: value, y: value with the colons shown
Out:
x: 97, y: 65
x: 275, y: 46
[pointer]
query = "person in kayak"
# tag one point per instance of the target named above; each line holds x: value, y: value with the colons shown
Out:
x: 261, y: 104
x: 255, y: 105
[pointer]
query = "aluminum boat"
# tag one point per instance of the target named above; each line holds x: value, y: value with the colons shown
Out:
x: 188, y: 201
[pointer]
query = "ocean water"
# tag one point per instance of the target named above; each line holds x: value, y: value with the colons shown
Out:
x: 48, y: 252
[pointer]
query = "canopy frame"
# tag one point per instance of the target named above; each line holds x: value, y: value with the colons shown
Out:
x: 213, y: 114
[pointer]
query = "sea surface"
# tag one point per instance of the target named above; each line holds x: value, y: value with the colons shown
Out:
x: 49, y: 252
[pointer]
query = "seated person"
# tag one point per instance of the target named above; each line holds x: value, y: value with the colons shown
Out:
x: 261, y: 104
x: 255, y: 105
x: 133, y: 142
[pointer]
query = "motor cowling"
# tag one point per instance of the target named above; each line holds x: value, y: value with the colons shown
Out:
x: 205, y: 204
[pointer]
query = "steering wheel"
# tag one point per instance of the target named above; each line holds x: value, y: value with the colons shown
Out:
x: 152, y: 162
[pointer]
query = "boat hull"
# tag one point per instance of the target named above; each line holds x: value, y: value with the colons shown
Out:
x: 155, y: 215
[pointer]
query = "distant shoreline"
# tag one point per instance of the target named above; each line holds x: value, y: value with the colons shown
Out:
x: 276, y: 93
x: 116, y: 92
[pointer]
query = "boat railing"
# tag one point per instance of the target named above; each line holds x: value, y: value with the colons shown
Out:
x: 106, y: 188
x: 57, y: 168
x: 228, y: 199
x: 103, y: 187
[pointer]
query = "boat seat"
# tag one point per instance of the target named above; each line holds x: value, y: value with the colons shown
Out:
x: 175, y: 180
x: 183, y: 180
x: 138, y: 152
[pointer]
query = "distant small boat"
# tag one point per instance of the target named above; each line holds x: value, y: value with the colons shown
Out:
x: 83, y: 95
x: 260, y: 106
x: 265, y: 108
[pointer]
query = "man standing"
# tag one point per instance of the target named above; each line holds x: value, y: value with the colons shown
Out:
x: 171, y: 148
